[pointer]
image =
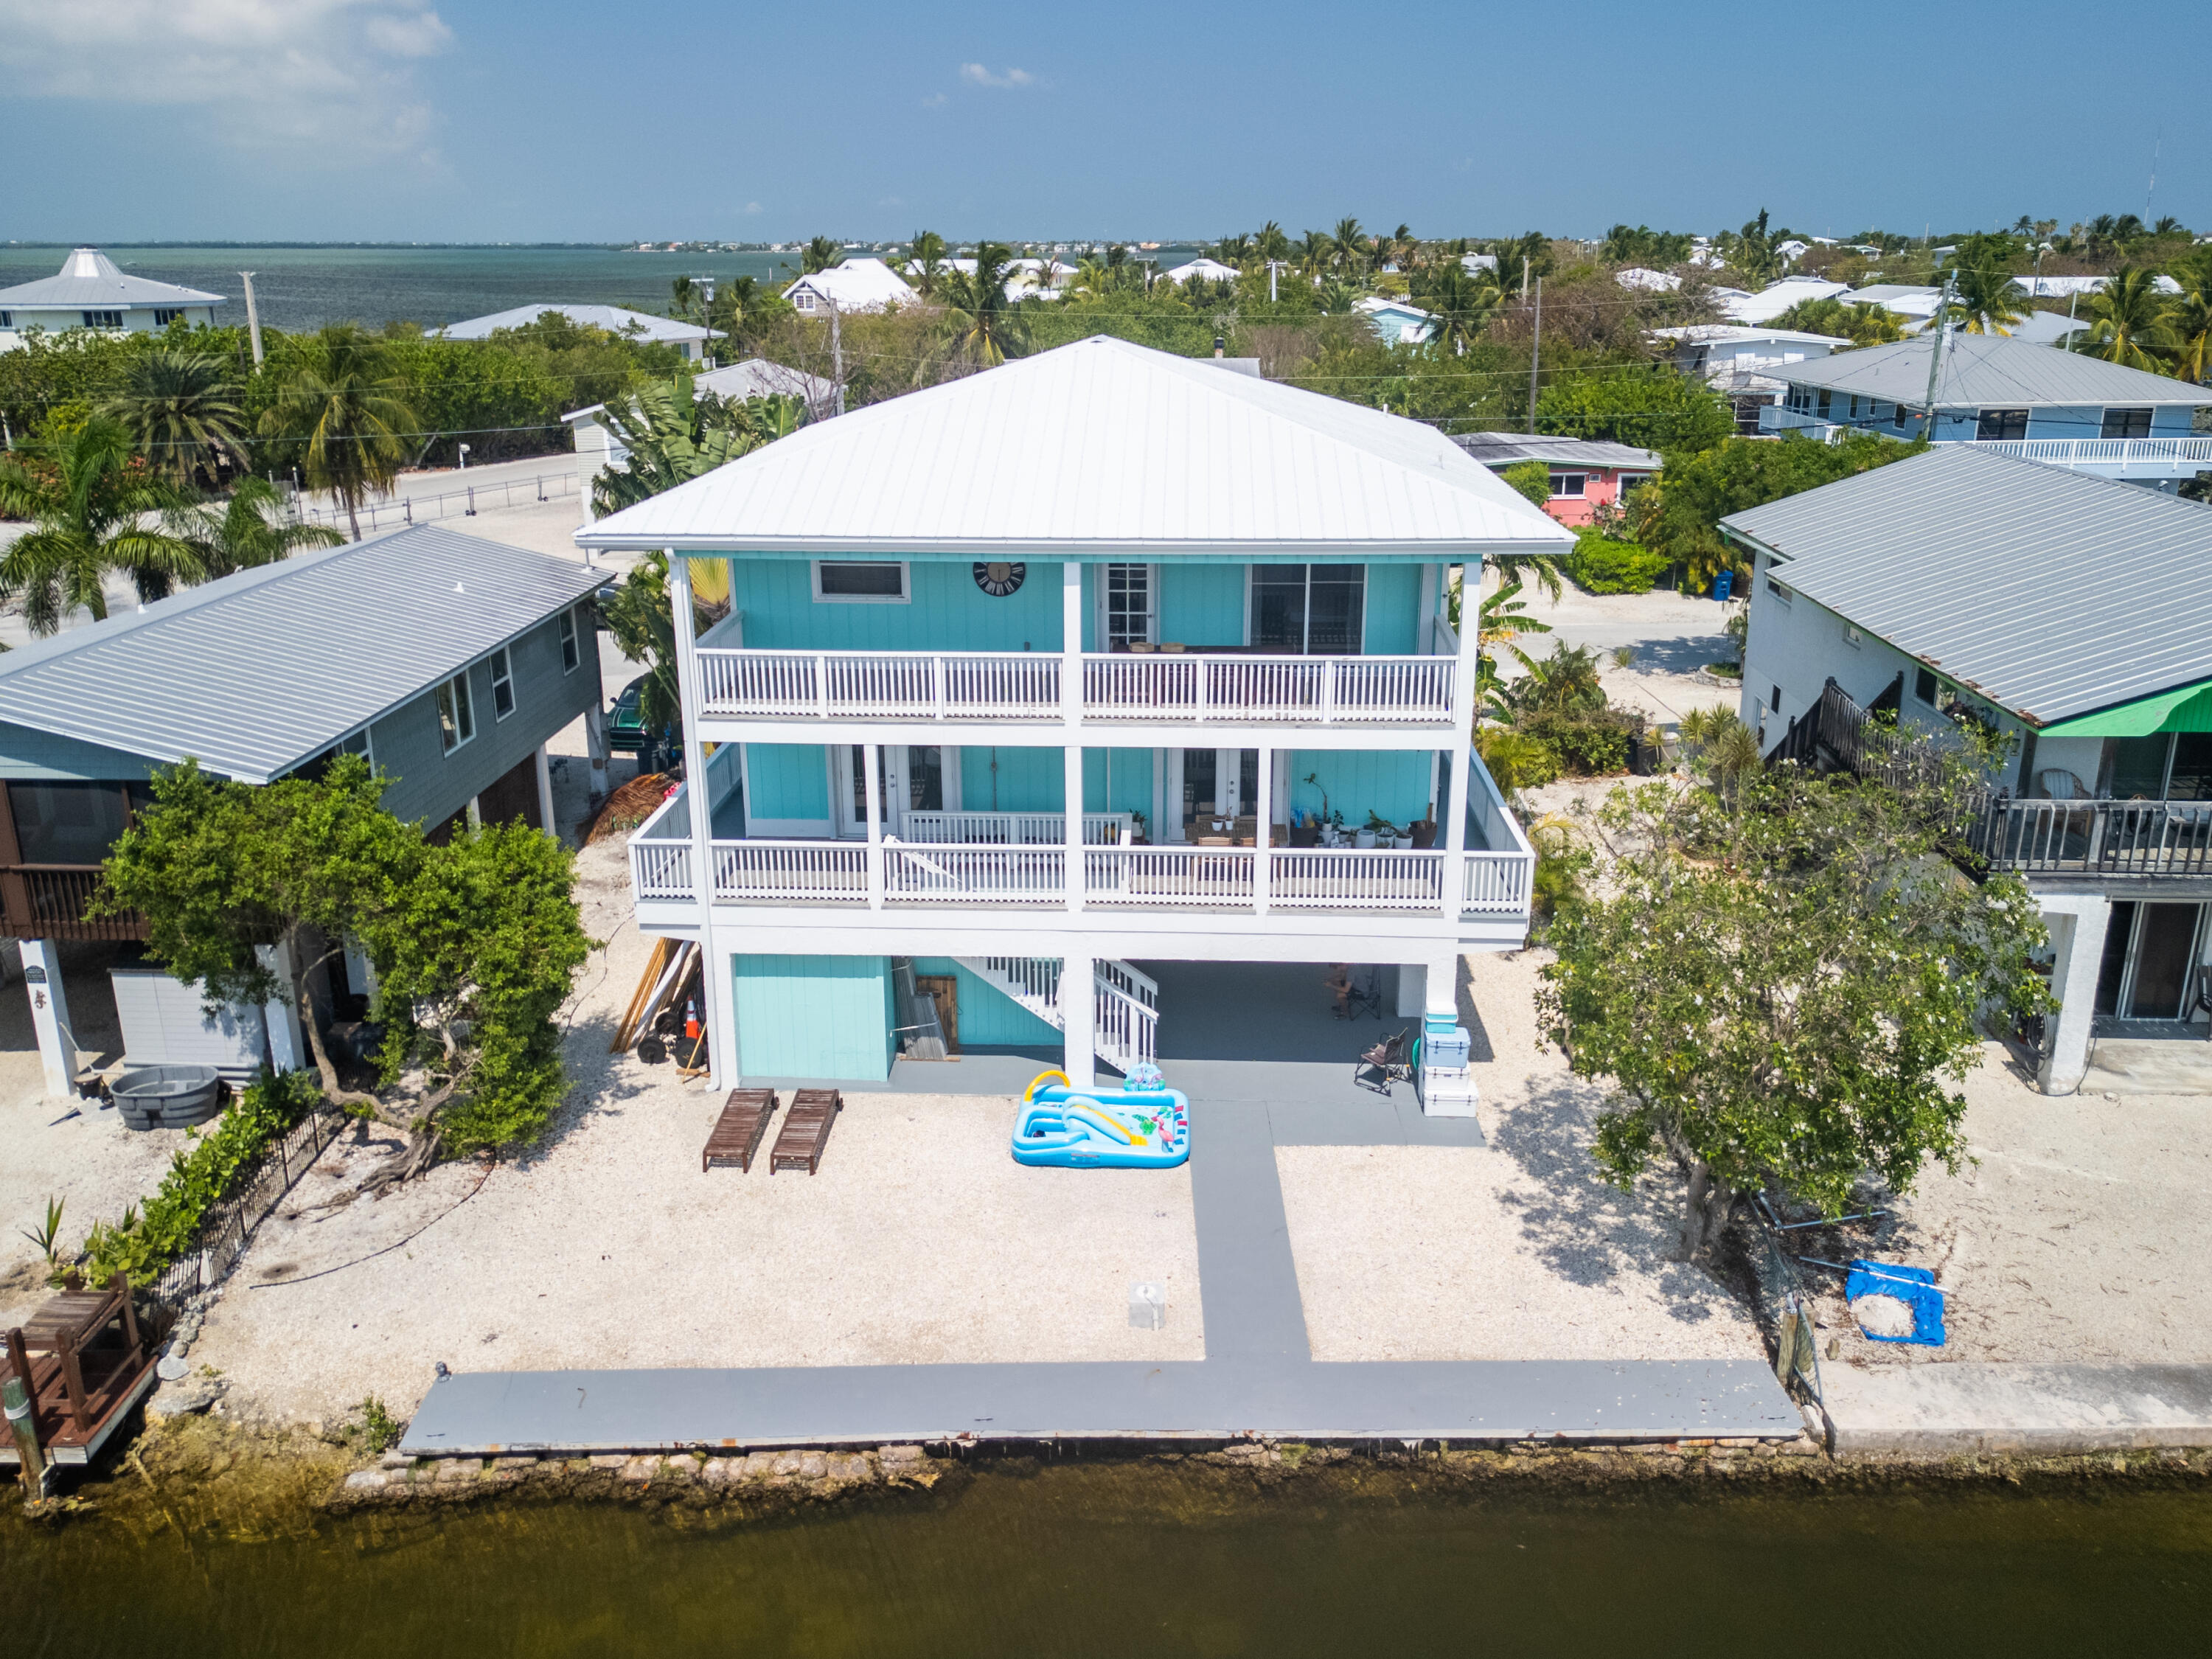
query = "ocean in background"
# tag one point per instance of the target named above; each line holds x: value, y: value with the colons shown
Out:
x: 303, y: 288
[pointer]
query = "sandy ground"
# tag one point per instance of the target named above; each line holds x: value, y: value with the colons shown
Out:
x: 920, y: 1240
x: 1512, y: 1251
x: 2080, y: 1235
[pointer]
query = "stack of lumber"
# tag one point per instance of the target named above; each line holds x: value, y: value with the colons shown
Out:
x: 672, y: 981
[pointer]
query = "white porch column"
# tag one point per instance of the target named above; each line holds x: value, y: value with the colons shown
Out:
x: 287, y: 1044
x: 1413, y: 990
x: 1171, y: 829
x: 543, y: 765
x: 50, y: 1015
x: 1262, y: 817
x: 2078, y: 924
x: 715, y: 976
x: 874, y: 789
x: 1158, y: 826
x: 474, y: 812
x: 1076, y: 1013
x: 595, y: 745
x: 1071, y: 714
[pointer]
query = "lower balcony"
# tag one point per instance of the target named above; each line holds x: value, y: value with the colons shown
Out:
x: 2108, y: 458
x: 992, y: 861
x: 49, y: 901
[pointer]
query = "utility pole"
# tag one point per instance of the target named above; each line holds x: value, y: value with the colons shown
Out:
x: 1273, y: 265
x: 1536, y: 348
x: 1935, y: 355
x: 253, y: 317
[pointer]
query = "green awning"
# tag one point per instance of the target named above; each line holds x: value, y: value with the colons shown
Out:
x: 2185, y: 708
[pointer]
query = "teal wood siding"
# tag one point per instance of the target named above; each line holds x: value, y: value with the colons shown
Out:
x: 33, y: 755
x: 1396, y: 784
x: 1202, y: 604
x: 1117, y: 780
x: 814, y: 1016
x: 786, y: 781
x: 1394, y: 608
x: 947, y: 612
x: 988, y: 1017
x: 1027, y: 779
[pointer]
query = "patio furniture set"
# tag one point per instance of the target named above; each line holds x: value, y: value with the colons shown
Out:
x: 742, y: 1125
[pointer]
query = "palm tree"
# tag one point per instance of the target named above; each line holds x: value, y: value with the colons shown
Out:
x: 89, y: 499
x: 1983, y: 299
x: 925, y: 266
x: 986, y: 328
x: 339, y: 396
x: 821, y: 253
x: 1271, y: 243
x: 683, y: 295
x: 1461, y: 303
x: 2188, y: 320
x: 1861, y: 324
x: 2128, y: 321
x: 180, y: 408
x: 1345, y: 243
x: 672, y: 437
x: 246, y: 533
x: 1093, y: 280
x: 1314, y: 251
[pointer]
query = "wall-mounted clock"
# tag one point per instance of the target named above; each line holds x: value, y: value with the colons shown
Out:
x: 1000, y: 580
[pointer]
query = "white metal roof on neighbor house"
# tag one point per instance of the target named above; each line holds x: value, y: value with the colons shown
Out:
x: 257, y: 672
x: 755, y: 377
x: 855, y: 285
x: 89, y: 279
x: 1212, y: 269
x: 1776, y: 298
x: 1743, y: 334
x: 2049, y: 591
x: 1992, y: 371
x: 616, y: 319
x: 1099, y: 446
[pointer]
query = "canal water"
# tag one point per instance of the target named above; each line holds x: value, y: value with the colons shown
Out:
x: 1091, y: 1560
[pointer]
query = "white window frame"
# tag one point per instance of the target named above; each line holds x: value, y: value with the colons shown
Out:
x: 1102, y: 624
x: 571, y: 648
x: 1560, y: 479
x: 503, y: 675
x: 367, y: 750
x: 904, y: 596
x: 164, y: 315
x: 1777, y: 589
x: 457, y: 714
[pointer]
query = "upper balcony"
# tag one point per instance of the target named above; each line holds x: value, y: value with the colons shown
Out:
x: 996, y: 862
x: 2108, y: 458
x: 1121, y: 687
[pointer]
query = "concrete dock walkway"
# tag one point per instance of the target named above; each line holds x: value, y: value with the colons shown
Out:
x: 1950, y: 1409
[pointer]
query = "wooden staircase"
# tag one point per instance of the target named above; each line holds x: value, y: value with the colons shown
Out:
x: 1124, y: 1004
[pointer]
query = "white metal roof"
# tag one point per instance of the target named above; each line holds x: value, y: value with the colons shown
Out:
x: 755, y: 377
x: 1742, y: 334
x: 616, y: 319
x: 1642, y: 276
x: 1212, y: 270
x: 257, y: 672
x: 857, y: 285
x: 1989, y: 371
x: 1772, y: 301
x: 89, y: 279
x: 2049, y: 591
x: 1098, y: 447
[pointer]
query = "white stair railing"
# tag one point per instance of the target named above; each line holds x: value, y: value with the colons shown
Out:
x: 1125, y: 1002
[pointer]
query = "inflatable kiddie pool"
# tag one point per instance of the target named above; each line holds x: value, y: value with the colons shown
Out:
x: 1101, y: 1129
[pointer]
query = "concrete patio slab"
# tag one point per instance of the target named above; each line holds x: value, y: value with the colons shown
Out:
x: 1964, y: 1408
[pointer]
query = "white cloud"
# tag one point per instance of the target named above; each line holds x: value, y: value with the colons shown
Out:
x: 935, y: 100
x: 752, y: 207
x: 977, y: 75
x: 329, y: 80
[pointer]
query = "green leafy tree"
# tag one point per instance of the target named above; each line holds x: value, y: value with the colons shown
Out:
x: 246, y: 531
x: 1657, y: 249
x: 1782, y: 979
x: 1755, y: 251
x: 89, y: 499
x: 2128, y: 321
x: 926, y: 265
x: 336, y: 395
x: 1983, y: 298
x: 1656, y: 408
x: 475, y: 944
x: 2189, y: 319
x: 181, y: 408
x: 1678, y: 514
x: 1532, y: 478
x: 983, y: 327
x: 1461, y: 303
x: 673, y: 437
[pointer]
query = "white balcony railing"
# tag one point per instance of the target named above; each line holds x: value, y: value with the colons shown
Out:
x: 1015, y: 829
x: 2142, y: 457
x: 741, y: 684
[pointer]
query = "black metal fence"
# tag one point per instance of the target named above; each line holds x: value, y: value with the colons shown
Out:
x: 257, y: 1189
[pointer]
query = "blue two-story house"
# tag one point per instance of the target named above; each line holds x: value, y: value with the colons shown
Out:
x: 1102, y: 657
x: 2037, y: 402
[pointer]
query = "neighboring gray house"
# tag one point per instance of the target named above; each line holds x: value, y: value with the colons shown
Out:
x: 2073, y: 614
x: 2062, y: 408
x: 447, y: 661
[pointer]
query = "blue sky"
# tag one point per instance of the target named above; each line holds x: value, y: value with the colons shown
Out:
x: 485, y: 120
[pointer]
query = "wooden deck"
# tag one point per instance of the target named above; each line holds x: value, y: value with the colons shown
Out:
x: 738, y: 1132
x: 805, y: 1130
x: 86, y: 1363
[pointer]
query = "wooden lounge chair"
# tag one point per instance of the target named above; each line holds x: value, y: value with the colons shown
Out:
x: 738, y: 1132
x: 805, y: 1130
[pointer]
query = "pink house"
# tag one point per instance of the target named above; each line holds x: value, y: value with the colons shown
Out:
x: 1586, y: 473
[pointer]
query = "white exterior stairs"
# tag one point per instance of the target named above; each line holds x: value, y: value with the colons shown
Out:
x: 1125, y: 1004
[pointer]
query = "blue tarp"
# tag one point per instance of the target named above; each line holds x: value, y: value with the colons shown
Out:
x: 1913, y: 1286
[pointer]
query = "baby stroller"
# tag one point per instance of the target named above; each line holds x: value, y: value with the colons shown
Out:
x: 1388, y: 1062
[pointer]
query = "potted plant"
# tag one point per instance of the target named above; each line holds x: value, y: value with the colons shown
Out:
x: 1140, y: 825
